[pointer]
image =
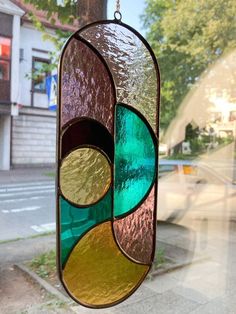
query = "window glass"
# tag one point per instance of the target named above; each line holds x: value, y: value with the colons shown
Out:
x: 5, y: 48
x: 4, y: 70
x: 39, y: 75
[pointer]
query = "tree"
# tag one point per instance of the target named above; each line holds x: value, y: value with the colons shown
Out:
x: 86, y: 11
x: 187, y: 36
x: 72, y: 12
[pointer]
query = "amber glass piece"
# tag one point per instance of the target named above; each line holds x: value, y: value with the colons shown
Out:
x: 87, y: 132
x: 87, y: 89
x: 135, y: 232
x: 97, y: 273
x: 131, y: 64
x: 85, y: 176
x: 76, y: 221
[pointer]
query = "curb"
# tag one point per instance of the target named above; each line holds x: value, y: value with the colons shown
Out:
x: 175, y: 266
x: 41, y: 282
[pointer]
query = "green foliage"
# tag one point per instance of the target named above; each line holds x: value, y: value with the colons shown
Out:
x: 160, y: 257
x: 45, y: 264
x: 187, y: 36
x: 66, y: 13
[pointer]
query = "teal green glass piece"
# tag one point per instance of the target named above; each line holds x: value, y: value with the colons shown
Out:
x: 135, y: 160
x: 76, y: 221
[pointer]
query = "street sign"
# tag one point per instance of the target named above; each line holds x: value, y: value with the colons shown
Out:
x: 51, y: 87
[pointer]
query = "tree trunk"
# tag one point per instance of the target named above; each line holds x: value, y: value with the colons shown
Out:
x: 91, y: 10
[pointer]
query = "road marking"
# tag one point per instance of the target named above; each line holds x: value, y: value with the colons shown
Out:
x: 44, y: 227
x: 27, y: 193
x: 27, y: 188
x: 18, y: 210
x: 27, y: 184
x: 16, y: 200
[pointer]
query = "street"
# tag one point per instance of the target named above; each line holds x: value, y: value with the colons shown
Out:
x: 27, y: 209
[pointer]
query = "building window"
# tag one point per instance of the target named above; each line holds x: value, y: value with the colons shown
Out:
x: 5, y: 58
x: 39, y: 75
x: 232, y: 116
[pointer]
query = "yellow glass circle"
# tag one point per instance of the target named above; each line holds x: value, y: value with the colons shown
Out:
x: 85, y: 176
x: 97, y: 273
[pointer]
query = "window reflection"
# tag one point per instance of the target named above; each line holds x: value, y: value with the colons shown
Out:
x: 5, y: 58
x: 39, y: 75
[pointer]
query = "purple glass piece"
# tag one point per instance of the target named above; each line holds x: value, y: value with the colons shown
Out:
x: 87, y: 89
x: 134, y: 233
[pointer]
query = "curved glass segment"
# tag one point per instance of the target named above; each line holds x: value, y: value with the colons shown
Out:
x: 135, y: 232
x: 135, y: 160
x: 87, y: 89
x: 77, y: 221
x: 84, y: 131
x: 97, y: 273
x: 133, y: 67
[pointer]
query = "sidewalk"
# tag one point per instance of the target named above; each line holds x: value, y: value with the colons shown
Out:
x: 205, y: 286
x: 26, y: 175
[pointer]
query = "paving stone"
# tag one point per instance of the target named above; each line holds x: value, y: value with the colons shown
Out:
x: 214, y: 307
x: 166, y: 303
x: 161, y: 283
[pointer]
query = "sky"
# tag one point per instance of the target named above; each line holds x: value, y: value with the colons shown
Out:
x: 130, y: 10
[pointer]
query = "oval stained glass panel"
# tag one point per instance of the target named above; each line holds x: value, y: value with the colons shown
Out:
x: 133, y: 67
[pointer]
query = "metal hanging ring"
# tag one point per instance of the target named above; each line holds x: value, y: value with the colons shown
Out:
x: 117, y: 15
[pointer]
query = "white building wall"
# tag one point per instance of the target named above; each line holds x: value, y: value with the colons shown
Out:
x: 15, y: 59
x: 5, y: 141
x: 30, y: 41
x: 34, y: 129
x: 33, y: 140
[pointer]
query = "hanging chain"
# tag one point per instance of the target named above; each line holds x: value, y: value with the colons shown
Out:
x: 117, y: 14
x: 117, y: 5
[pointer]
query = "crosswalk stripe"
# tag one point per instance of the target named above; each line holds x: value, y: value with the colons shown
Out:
x: 27, y: 193
x: 17, y: 200
x: 18, y: 210
x: 44, y: 227
x: 26, y: 188
x: 39, y: 183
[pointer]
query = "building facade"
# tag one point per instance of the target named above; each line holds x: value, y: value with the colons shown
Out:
x: 27, y: 127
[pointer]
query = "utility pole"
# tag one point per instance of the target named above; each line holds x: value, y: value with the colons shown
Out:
x: 91, y: 10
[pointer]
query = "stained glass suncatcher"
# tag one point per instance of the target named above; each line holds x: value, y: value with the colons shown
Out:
x: 107, y: 163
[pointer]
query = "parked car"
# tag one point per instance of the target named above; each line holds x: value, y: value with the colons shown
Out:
x: 190, y: 189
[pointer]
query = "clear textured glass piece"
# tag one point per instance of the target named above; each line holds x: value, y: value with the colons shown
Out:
x: 131, y: 64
